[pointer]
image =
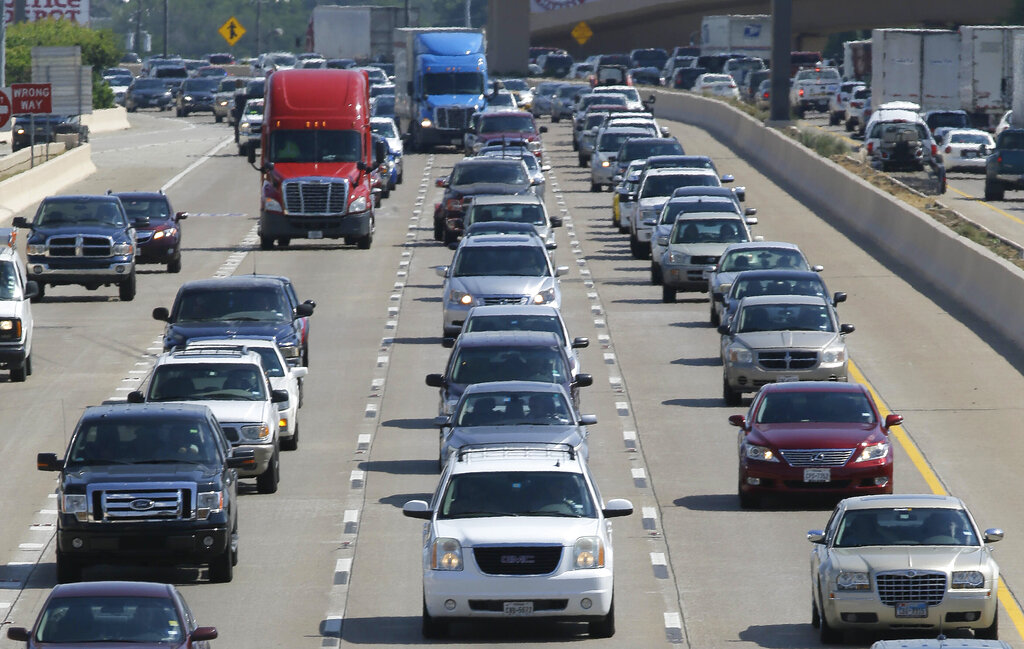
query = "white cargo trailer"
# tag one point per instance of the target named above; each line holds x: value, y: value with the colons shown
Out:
x: 746, y: 35
x: 857, y: 60
x: 987, y: 71
x: 916, y: 65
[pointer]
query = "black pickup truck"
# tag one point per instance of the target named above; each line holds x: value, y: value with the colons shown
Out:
x: 1004, y: 166
x: 147, y: 483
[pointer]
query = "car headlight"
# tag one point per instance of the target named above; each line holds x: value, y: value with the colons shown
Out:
x: 188, y: 97
x: 874, y: 452
x: 678, y: 258
x: 853, y: 581
x: 36, y: 249
x: 446, y: 554
x: 968, y: 579
x: 122, y: 249
x: 243, y: 127
x: 588, y: 552
x: 762, y: 453
x: 209, y: 502
x: 605, y: 163
x: 460, y: 297
x: 533, y: 146
x: 834, y: 355
x: 425, y: 122
x: 358, y: 205
x: 168, y: 232
x: 10, y: 329
x: 545, y: 296
x: 19, y: 131
x: 271, y: 205
x: 662, y: 241
x: 255, y: 433
x: 76, y: 504
x: 223, y: 102
x: 739, y: 354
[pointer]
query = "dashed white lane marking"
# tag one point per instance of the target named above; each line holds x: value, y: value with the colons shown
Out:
x: 206, y: 156
x: 673, y: 627
x: 650, y: 518
x: 31, y: 547
x: 622, y: 408
x: 341, y: 570
x: 629, y: 439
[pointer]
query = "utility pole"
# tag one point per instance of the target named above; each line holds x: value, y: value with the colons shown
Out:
x: 259, y: 3
x: 469, y: 20
x: 165, y: 28
x: 138, y: 27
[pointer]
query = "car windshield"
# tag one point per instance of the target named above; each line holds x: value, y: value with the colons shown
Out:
x: 629, y: 94
x: 664, y: 185
x: 671, y: 211
x: 1011, y: 140
x: 956, y: 120
x: 709, y: 231
x: 748, y: 286
x: 817, y: 406
x: 501, y: 261
x: 207, y: 381
x: 150, y: 84
x: 251, y: 303
x: 516, y: 493
x: 716, y: 79
x: 10, y: 288
x: 515, y: 212
x: 505, y: 123
x: 384, y: 129
x: 515, y: 84
x: 638, y: 150
x: 110, y: 620
x: 829, y: 74
x: 784, y: 317
x: 315, y: 146
x: 501, y: 99
x: 136, y: 440
x: 603, y: 100
x: 517, y: 322
x: 905, y: 526
x: 484, y: 364
x: 384, y: 105
x: 497, y: 173
x: 120, y: 80
x: 380, y: 89
x: 762, y: 259
x: 283, y: 60
x: 612, y: 141
x: 200, y: 85
x: 254, y: 108
x: 139, y: 209
x: 57, y: 213
x: 514, y: 408
x: 566, y: 92
x: 453, y: 83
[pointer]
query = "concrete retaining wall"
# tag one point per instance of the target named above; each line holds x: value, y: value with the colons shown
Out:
x: 21, y: 160
x: 988, y: 286
x: 106, y: 120
x: 29, y: 187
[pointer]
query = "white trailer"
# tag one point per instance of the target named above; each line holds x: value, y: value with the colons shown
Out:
x: 987, y: 71
x: 746, y: 35
x: 857, y: 60
x: 916, y: 65
x: 362, y: 33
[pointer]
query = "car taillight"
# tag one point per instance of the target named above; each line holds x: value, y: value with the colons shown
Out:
x: 871, y: 146
x: 949, y: 149
x: 801, y: 93
x: 935, y: 150
x: 856, y: 104
x: 766, y: 94
x: 999, y: 159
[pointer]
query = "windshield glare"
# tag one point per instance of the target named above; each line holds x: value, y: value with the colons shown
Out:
x: 516, y: 323
x: 665, y: 185
x: 514, y: 409
x: 500, y: 173
x: 315, y: 146
x: 671, y: 211
x: 517, y: 493
x: 247, y: 304
x: 503, y: 261
x: 58, y: 213
x: 815, y: 406
x: 10, y: 288
x: 129, y: 440
x: 762, y: 259
x: 905, y: 526
x: 744, y: 287
x: 505, y: 123
x: 208, y: 381
x: 785, y: 317
x: 110, y: 620
x: 485, y: 364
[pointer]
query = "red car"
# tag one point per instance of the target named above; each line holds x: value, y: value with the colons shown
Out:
x: 105, y: 613
x: 814, y: 437
x: 509, y: 125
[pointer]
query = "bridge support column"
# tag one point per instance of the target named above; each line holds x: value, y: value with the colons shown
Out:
x: 508, y: 36
x: 782, y: 21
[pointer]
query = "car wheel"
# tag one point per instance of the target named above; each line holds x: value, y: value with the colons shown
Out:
x: 748, y: 500
x: 555, y: 118
x: 126, y: 289
x: 283, y: 242
x: 993, y: 192
x: 438, y: 230
x: 433, y: 627
x: 715, y: 318
x: 291, y: 443
x: 668, y: 295
x: 28, y: 364
x: 575, y: 145
x: 399, y: 179
x: 634, y: 247
x: 623, y: 229
x: 218, y: 118
x: 991, y: 632
x: 40, y: 294
x: 364, y: 243
x: 605, y: 627
x: 450, y: 237
x: 833, y: 119
x: 731, y: 397
x: 19, y: 373
x: 827, y: 634
x: 849, y: 125
x: 266, y: 243
x: 266, y: 482
x: 595, y: 187
x: 174, y: 265
x: 815, y: 616
x: 221, y: 568
x: 655, y: 274
x: 582, y: 162
x: 69, y: 570
x: 184, y: 112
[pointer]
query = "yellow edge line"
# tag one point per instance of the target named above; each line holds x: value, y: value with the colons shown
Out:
x: 1010, y: 604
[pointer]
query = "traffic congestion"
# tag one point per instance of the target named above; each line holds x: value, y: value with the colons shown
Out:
x: 388, y: 378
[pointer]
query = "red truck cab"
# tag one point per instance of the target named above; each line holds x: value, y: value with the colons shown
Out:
x: 316, y: 158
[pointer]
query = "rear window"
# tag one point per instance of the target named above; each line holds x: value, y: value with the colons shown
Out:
x: 486, y: 364
x: 637, y: 150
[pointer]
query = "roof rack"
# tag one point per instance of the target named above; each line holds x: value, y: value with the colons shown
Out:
x: 233, y: 350
x: 469, y: 449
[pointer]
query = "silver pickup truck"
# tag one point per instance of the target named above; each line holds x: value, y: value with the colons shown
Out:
x: 812, y: 88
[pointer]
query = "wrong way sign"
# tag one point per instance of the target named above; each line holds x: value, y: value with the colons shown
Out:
x: 31, y: 98
x: 5, y: 108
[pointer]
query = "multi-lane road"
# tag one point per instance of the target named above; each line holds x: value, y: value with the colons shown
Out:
x: 329, y: 560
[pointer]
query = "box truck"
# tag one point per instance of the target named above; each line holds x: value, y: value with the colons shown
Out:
x: 359, y: 32
x: 857, y: 61
x: 743, y: 35
x: 916, y: 65
x: 986, y: 72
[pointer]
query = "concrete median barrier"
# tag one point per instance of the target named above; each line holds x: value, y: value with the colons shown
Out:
x: 988, y: 286
x: 31, y: 186
x: 106, y: 120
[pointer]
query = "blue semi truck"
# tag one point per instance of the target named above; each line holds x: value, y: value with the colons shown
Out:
x: 440, y: 81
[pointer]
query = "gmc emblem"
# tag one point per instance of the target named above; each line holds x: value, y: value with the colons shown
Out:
x: 521, y: 559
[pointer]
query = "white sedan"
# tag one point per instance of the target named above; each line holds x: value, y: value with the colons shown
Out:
x: 966, y: 148
x: 717, y: 85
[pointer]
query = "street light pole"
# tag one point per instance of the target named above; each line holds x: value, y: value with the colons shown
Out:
x: 138, y: 27
x: 259, y: 4
x: 165, y: 28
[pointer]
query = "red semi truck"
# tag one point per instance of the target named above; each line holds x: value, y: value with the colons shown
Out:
x: 316, y: 158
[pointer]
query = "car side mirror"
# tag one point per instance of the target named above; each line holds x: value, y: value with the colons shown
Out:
x: 551, y: 245
x: 31, y: 289
x: 846, y: 328
x: 435, y: 380
x: 304, y: 310
x: 545, y: 168
x: 441, y: 182
x: 750, y: 211
x: 299, y: 372
x: 892, y: 419
x: 580, y: 343
x: 136, y: 396
x: 20, y: 222
x: 203, y: 633
x: 665, y: 132
x: 838, y: 297
x: 817, y: 268
x: 741, y: 193
x: 48, y: 462
x: 588, y: 420
x: 417, y: 509
x: 162, y: 314
x: 17, y: 633
x: 617, y: 507
x: 442, y: 271
x: 448, y: 342
x: 442, y: 421
x: 556, y: 221
x: 278, y: 396
x: 816, y: 536
x: 751, y: 220
x: 543, y: 129
x: 241, y: 458
x: 181, y: 216
x: 728, y: 178
x: 739, y: 421
x: 584, y: 380
x: 723, y: 329
x: 561, y: 270
x: 630, y: 198
x: 992, y: 535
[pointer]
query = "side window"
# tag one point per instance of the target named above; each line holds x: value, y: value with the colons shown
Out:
x: 832, y: 525
x: 222, y: 442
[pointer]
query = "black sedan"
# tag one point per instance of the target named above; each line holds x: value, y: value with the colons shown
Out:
x: 148, y: 93
x: 157, y: 228
x: 40, y: 129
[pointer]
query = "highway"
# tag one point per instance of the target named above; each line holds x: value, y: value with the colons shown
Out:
x: 330, y: 561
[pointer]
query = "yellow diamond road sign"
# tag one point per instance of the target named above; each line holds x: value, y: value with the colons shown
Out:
x: 232, y: 30
x: 582, y: 32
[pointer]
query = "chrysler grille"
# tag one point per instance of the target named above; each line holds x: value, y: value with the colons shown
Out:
x: 817, y: 457
x: 787, y: 360
x: 518, y: 560
x: 79, y: 246
x: 315, y: 196
x: 142, y: 501
x: 911, y: 586
x: 453, y: 118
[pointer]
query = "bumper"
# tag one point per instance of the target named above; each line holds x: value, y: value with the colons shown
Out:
x: 263, y: 452
x: 965, y: 163
x: 781, y: 478
x: 276, y: 224
x: 478, y: 596
x: 165, y: 545
x: 13, y: 355
x: 198, y: 108
x: 151, y: 102
x: 602, y: 175
x: 750, y: 378
x: 865, y: 611
x: 685, y: 278
x: 158, y: 251
x: 105, y: 272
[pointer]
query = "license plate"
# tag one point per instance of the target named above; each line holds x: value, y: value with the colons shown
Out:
x: 315, y: 234
x: 912, y: 609
x: 969, y: 154
x: 788, y: 378
x: 817, y: 475
x: 518, y: 609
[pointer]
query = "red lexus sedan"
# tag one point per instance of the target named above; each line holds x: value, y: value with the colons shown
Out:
x: 813, y: 437
x: 125, y: 613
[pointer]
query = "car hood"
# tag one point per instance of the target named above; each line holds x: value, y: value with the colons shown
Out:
x: 699, y: 249
x: 233, y: 412
x: 73, y: 228
x: 502, y: 285
x: 140, y: 473
x: 182, y: 332
x: 488, y: 188
x: 814, y: 435
x: 517, y: 530
x: 884, y: 558
x: 524, y: 433
x: 787, y: 339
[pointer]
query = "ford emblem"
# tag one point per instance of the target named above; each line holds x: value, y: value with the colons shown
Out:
x: 141, y: 504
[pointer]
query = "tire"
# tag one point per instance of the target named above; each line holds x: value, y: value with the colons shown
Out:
x: 595, y: 187
x: 266, y: 243
x: 185, y: 112
x: 715, y: 318
x: 218, y: 118
x: 655, y: 274
x: 623, y: 229
x: 222, y: 569
x: 28, y: 364
x: 833, y: 119
x: 177, y: 112
x: 991, y: 632
x: 438, y: 230
x: 668, y: 295
x: 849, y: 125
x: 554, y: 118
x: 291, y: 443
x: 635, y: 248
x: 126, y: 289
x: 748, y: 501
x: 364, y: 243
x: 132, y: 109
x: 242, y: 151
x: 605, y: 627
x: 41, y: 294
x: 174, y: 265
x: 68, y: 570
x: 20, y: 373
x: 815, y: 616
x: 993, y: 192
x: 827, y: 634
x: 400, y: 174
x: 575, y: 145
x: 450, y: 237
x: 730, y: 396
x: 284, y: 242
x: 432, y: 627
x: 266, y: 482
x: 582, y: 162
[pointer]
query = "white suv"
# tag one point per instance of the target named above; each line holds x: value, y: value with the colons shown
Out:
x: 517, y: 531
x: 16, y: 293
x: 233, y: 385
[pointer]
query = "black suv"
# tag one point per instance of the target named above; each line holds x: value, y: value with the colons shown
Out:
x: 157, y: 228
x: 83, y: 240
x: 40, y: 129
x: 148, y: 93
x: 147, y: 483
x: 196, y: 95
x: 242, y: 306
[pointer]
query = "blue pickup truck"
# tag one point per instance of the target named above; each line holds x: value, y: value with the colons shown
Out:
x: 1004, y: 167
